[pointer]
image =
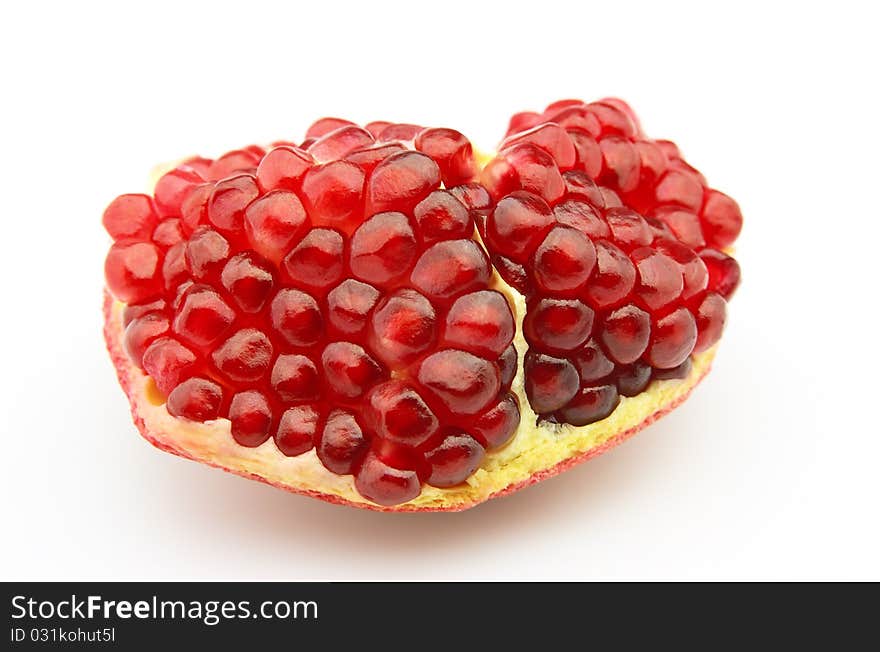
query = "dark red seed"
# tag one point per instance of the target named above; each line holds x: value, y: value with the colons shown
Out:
x: 334, y: 195
x: 722, y: 219
x: 297, y: 430
x: 582, y: 216
x: 295, y: 378
x: 316, y: 263
x: 550, y: 382
x: 451, y: 268
x: 592, y: 363
x: 296, y: 317
x: 440, y: 216
x: 382, y: 248
x: 590, y: 404
x: 552, y: 139
x: 563, y: 261
x: 400, y: 414
x: 325, y: 126
x: 621, y: 163
x: 401, y: 181
x: 206, y: 253
x: 133, y: 271
x: 250, y: 417
x: 273, y: 222
x: 711, y: 315
x: 679, y: 188
x: 628, y: 228
x: 625, y: 333
x: 518, y: 225
x: 724, y: 272
x: 196, y: 399
x: 633, y: 379
x: 168, y: 362
x: 497, y: 425
x: 384, y: 484
x: 694, y: 273
x: 462, y: 382
x: 508, y: 364
x: 454, y: 459
x: 342, y: 444
x: 283, y: 168
x: 248, y: 280
x: 337, y: 143
x: 402, y: 327
x: 349, y: 305
x: 660, y: 281
x: 203, y: 317
x: 558, y: 324
x: 349, y: 370
x: 614, y: 277
x: 672, y: 339
x: 480, y: 322
x: 141, y: 332
x: 244, y: 357
x: 452, y: 152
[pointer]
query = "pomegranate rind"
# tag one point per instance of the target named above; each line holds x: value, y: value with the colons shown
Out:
x: 535, y: 453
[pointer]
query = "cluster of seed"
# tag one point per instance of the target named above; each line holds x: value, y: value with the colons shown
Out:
x: 329, y: 295
x: 614, y: 298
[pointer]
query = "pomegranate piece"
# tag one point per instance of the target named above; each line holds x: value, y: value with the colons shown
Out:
x: 384, y: 484
x: 454, y: 459
x: 343, y: 443
x: 133, y: 271
x: 297, y: 430
x: 130, y: 217
x: 196, y: 399
x: 250, y: 417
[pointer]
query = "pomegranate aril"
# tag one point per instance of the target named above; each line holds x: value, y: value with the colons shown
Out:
x: 612, y: 120
x: 337, y: 143
x: 248, y: 280
x: 679, y: 188
x: 295, y: 378
x: 141, y: 332
x: 628, y: 228
x: 581, y: 215
x: 398, y: 132
x: 451, y: 268
x: 130, y: 217
x: 367, y: 159
x: 721, y: 218
x: 508, y: 364
x: 244, y: 357
x: 518, y: 224
x: 695, y: 276
x: 236, y: 161
x: 660, y: 281
x: 349, y: 305
x: 194, y: 209
x: 633, y: 379
x: 527, y: 167
x: 168, y: 232
x: 376, y: 127
x: 497, y: 425
x: 172, y: 189
x: 588, y: 153
x: 325, y: 126
x: 550, y: 382
x: 342, y: 443
x: 206, y: 253
x: 384, y: 484
x: 684, y: 224
x: 590, y: 404
x: 251, y: 417
x: 383, y: 248
x: 451, y: 151
x: 399, y: 413
x: 273, y: 222
x: 134, y: 310
x: 402, y: 327
x: 625, y: 333
x: 552, y: 139
x: 316, y: 263
x: 227, y: 204
x: 133, y: 271
x: 558, y: 324
x: 480, y: 322
x: 296, y: 317
x: 514, y: 274
x: 349, y: 371
x: 592, y: 362
x: 454, y: 459
x: 563, y: 261
x: 621, y: 164
x: 168, y: 362
x: 724, y: 272
x: 283, y: 168
x: 678, y: 372
x: 401, y: 181
x: 297, y: 430
x: 614, y: 277
x: 196, y: 399
x: 203, y: 317
x: 672, y: 339
x: 334, y: 195
x: 711, y: 313
x: 440, y: 216
x: 462, y: 382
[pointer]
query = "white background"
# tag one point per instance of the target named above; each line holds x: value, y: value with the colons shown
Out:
x: 770, y: 471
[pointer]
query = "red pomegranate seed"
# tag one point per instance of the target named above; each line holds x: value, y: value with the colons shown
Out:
x: 382, y: 248
x: 172, y: 188
x: 325, y: 126
x: 527, y: 167
x: 203, y: 317
x: 250, y: 416
x: 236, y: 161
x: 454, y: 459
x: 295, y: 378
x: 550, y: 382
x: 625, y: 333
x: 168, y: 362
x: 621, y: 164
x: 168, y: 233
x: 518, y: 225
x: 297, y: 430
x: 384, y: 484
x: 480, y: 322
x: 672, y: 339
x: 463, y: 383
x: 229, y: 200
x: 681, y: 189
x: 273, y: 223
x: 552, y: 139
x: 337, y: 143
x: 283, y: 168
x: 695, y: 276
x: 334, y: 195
x: 194, y: 209
x: 141, y: 332
x: 612, y: 120
x: 588, y: 153
x: 368, y: 158
x: 402, y: 327
x: 497, y: 425
x: 316, y: 263
x: 633, y: 379
x: 248, y: 280
x: 130, y: 217
x: 376, y: 127
x: 558, y: 324
x: 440, y: 216
x: 450, y: 268
x: 614, y: 277
x: 133, y: 271
x: 400, y: 414
x: 349, y: 370
x: 342, y: 443
x: 349, y: 305
x: 452, y: 152
x: 508, y: 364
x: 199, y: 164
x: 590, y: 404
x: 580, y: 215
x: 398, y: 132
x: 196, y: 399
x: 724, y: 272
x: 244, y: 357
x: 628, y: 228
x: 401, y: 181
x: 592, y: 363
x: 135, y: 310
x: 206, y: 253
x: 685, y: 225
x: 711, y: 314
x: 296, y: 317
x: 659, y: 278
x: 721, y: 218
x: 563, y: 261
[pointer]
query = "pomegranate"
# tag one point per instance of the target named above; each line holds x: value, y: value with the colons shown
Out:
x: 373, y: 319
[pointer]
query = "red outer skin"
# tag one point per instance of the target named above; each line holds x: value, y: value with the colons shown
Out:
x: 121, y: 363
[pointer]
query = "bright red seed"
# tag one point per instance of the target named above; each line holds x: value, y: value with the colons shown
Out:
x: 297, y: 430
x: 130, y: 217
x: 251, y: 417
